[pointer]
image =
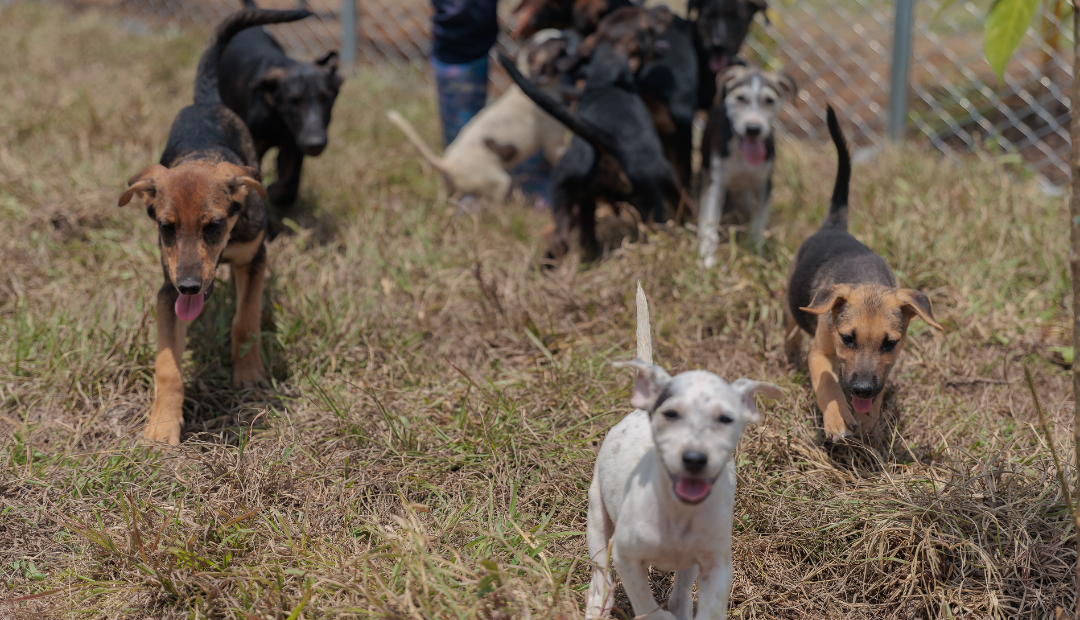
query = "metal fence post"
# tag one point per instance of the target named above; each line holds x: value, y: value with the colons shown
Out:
x: 348, y: 32
x: 898, y: 80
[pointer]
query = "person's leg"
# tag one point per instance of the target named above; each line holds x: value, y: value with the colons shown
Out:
x: 462, y: 90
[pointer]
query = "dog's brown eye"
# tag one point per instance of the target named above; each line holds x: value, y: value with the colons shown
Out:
x: 741, y: 98
x: 888, y: 345
x: 848, y: 339
x: 670, y: 414
x: 724, y: 419
x: 212, y: 226
x: 769, y: 101
x: 167, y: 229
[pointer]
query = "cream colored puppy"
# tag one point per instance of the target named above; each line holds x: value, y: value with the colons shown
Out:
x: 664, y: 487
x: 505, y: 133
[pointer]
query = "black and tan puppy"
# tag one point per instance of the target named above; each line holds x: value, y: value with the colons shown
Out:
x: 846, y: 297
x: 615, y: 154
x: 206, y: 199
x: 285, y: 103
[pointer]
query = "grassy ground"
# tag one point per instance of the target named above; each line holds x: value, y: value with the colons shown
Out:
x: 438, y: 399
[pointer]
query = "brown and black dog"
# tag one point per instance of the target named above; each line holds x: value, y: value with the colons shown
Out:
x: 846, y: 297
x: 207, y: 201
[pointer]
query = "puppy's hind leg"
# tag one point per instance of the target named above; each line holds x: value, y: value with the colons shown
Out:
x: 712, y: 207
x: 248, y: 371
x: 598, y: 531
x: 793, y: 336
x: 681, y: 602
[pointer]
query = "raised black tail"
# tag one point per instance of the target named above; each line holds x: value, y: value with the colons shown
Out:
x: 206, y: 77
x: 838, y: 208
x: 595, y: 136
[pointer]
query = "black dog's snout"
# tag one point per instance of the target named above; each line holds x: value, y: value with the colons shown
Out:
x: 753, y: 130
x: 313, y: 145
x: 694, y: 461
x: 189, y: 286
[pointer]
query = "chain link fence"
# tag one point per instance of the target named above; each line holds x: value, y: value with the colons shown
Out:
x: 838, y: 51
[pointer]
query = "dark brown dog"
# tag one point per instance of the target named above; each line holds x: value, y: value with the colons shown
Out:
x: 846, y: 297
x: 206, y: 199
x: 285, y: 103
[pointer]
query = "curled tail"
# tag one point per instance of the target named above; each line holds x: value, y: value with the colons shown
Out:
x: 838, y: 208
x: 596, y: 137
x: 410, y: 133
x: 644, y: 333
x: 206, y: 77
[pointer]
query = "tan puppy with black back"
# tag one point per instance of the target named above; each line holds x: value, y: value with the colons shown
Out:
x: 207, y: 201
x: 846, y: 297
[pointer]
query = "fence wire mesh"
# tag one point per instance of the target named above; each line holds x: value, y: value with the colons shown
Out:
x: 838, y: 52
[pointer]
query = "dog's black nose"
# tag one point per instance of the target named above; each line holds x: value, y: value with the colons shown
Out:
x: 189, y: 286
x: 694, y: 461
x: 862, y: 389
x: 313, y: 145
x: 753, y: 130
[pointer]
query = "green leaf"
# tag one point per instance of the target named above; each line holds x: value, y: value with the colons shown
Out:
x: 1006, y: 24
x: 1066, y: 354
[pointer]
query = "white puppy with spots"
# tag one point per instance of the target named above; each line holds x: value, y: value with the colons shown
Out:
x: 739, y: 151
x: 664, y: 487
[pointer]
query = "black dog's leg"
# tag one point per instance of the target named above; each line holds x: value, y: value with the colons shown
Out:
x: 562, y: 212
x: 590, y: 245
x: 283, y: 191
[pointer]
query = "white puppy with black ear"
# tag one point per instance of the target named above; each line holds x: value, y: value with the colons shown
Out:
x: 664, y: 487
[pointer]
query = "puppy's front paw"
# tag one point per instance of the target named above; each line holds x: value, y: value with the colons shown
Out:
x: 837, y: 430
x: 162, y: 430
x: 250, y: 374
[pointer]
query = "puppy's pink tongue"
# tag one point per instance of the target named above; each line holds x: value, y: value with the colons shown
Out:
x: 753, y: 151
x: 862, y: 405
x: 718, y: 62
x: 692, y: 490
x: 188, y: 307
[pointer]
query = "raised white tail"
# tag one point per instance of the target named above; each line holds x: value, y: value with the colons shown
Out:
x: 644, y: 333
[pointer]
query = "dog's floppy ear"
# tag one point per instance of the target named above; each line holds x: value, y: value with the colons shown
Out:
x: 786, y: 83
x: 240, y: 180
x: 917, y: 303
x: 651, y: 381
x: 748, y: 387
x: 145, y: 185
x: 329, y: 63
x: 827, y: 299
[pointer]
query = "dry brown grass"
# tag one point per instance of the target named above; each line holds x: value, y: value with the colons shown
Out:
x: 438, y: 399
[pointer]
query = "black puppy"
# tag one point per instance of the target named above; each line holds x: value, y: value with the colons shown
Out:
x: 615, y: 154
x: 720, y: 27
x: 285, y: 103
x: 669, y: 87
